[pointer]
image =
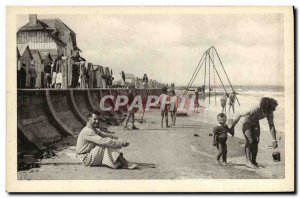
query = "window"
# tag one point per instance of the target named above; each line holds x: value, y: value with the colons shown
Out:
x: 19, y: 38
x: 32, y: 34
x: 47, y: 38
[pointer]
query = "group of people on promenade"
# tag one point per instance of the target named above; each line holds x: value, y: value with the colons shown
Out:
x: 143, y: 82
x: 97, y: 148
x: 56, y: 73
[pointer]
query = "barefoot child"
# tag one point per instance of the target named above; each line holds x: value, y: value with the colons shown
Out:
x: 164, y: 101
x: 220, y: 136
x: 173, y: 106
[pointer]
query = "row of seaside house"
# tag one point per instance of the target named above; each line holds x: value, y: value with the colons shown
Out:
x: 48, y: 47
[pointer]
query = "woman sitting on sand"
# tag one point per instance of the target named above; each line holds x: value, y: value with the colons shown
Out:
x: 251, y: 128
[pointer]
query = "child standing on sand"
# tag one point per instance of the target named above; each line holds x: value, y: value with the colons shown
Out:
x: 220, y: 137
x: 173, y: 106
x: 164, y: 101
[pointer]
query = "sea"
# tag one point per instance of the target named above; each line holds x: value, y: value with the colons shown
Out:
x: 248, y: 97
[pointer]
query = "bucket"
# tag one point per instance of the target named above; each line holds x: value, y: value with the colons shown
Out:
x: 276, y: 156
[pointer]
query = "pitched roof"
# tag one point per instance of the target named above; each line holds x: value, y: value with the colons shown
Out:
x: 18, y: 53
x: 22, y: 48
x: 61, y: 27
x: 54, y: 22
x: 43, y: 26
x: 36, y: 53
x: 46, y: 55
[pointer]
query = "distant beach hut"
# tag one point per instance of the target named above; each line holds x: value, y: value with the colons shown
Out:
x: 39, y: 67
x: 25, y: 58
x: 106, y: 71
x: 138, y: 83
x: 98, y: 72
x: 129, y: 79
x: 150, y: 84
x: 90, y: 75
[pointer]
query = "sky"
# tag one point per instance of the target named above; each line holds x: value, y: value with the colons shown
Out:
x: 169, y: 47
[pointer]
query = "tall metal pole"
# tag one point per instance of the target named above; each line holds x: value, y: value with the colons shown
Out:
x: 212, y: 53
x: 225, y: 73
x: 218, y: 75
x: 192, y: 80
x: 194, y: 74
x: 204, y: 77
x: 209, y: 80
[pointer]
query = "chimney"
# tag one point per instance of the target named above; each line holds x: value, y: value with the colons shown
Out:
x: 32, y: 19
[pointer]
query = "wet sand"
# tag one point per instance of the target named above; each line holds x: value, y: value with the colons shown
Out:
x: 168, y: 153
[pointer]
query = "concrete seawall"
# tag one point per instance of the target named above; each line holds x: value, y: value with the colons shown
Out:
x: 45, y: 116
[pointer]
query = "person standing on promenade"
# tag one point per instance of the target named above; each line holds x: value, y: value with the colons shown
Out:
x: 251, y: 128
x: 95, y: 148
x: 130, y: 112
x: 145, y: 81
x: 123, y: 77
x: 76, y: 62
x: 53, y: 74
x: 47, y: 71
x: 22, y: 76
x: 58, y: 67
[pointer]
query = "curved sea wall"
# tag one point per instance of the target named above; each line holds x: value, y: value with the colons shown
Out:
x: 46, y: 115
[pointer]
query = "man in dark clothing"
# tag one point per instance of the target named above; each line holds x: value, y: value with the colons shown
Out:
x: 145, y: 78
x: 123, y: 76
x: 145, y: 81
x: 76, y: 69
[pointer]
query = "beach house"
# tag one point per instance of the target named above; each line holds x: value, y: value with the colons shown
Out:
x: 38, y: 63
x: 25, y: 58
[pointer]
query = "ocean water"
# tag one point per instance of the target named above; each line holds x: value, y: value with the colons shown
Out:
x: 249, y: 97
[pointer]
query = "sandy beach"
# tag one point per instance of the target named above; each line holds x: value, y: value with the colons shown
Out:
x: 181, y: 152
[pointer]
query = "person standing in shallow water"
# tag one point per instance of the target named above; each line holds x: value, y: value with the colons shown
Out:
x: 251, y: 128
x: 224, y: 102
x: 196, y: 102
x: 232, y: 97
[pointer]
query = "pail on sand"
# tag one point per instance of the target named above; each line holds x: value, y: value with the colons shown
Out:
x: 276, y: 156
